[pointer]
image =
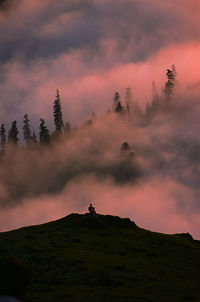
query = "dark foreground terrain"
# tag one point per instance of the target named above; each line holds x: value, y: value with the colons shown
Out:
x: 105, y: 258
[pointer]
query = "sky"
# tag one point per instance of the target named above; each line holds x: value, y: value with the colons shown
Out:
x: 89, y: 49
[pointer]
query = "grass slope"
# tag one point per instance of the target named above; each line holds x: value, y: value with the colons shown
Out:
x: 105, y: 258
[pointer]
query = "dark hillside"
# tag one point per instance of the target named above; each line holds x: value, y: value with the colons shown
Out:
x: 105, y: 258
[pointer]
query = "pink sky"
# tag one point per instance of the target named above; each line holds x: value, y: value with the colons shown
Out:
x: 89, y: 50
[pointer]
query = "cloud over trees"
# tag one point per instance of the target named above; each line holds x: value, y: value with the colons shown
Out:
x: 89, y: 50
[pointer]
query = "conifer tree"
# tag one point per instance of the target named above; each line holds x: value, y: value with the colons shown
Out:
x: 170, y: 84
x: 3, y: 136
x: 126, y: 152
x: 13, y: 133
x: 44, y: 132
x: 57, y: 113
x: 26, y: 129
x: 117, y: 106
x: 91, y: 119
x: 116, y: 100
x: 125, y: 147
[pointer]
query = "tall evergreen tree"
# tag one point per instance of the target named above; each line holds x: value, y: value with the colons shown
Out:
x: 26, y: 129
x: 57, y: 113
x: 116, y: 100
x: 174, y: 71
x: 170, y: 84
x: 44, y: 133
x: 13, y: 133
x: 117, y: 106
x: 3, y: 136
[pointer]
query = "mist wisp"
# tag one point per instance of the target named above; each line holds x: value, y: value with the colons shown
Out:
x: 157, y: 187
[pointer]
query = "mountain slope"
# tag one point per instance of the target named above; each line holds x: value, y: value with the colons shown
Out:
x: 105, y: 258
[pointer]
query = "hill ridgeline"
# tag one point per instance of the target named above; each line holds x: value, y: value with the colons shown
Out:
x: 105, y: 258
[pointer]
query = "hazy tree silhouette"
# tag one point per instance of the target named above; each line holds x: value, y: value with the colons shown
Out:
x: 116, y: 100
x: 13, y: 133
x: 148, y: 111
x: 44, y: 132
x: 155, y: 99
x: 117, y: 106
x: 26, y: 129
x: 129, y: 99
x: 57, y: 112
x: 125, y: 147
x: 153, y: 107
x: 126, y: 152
x: 67, y: 127
x: 3, y: 137
x: 91, y: 119
x: 170, y: 84
x: 126, y: 170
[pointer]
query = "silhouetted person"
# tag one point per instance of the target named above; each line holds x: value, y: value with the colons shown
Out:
x: 14, y: 280
x: 91, y: 210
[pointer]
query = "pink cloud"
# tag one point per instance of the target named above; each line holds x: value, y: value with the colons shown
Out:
x: 152, y: 205
x: 83, y: 91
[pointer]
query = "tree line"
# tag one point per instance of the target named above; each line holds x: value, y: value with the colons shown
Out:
x: 29, y: 136
x: 130, y: 107
x: 157, y: 104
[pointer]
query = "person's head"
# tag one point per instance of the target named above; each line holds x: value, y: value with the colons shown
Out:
x: 14, y: 278
x: 90, y: 205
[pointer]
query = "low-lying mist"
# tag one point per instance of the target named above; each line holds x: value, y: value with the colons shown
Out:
x: 155, y: 182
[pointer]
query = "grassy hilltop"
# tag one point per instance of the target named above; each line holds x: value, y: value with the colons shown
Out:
x: 105, y: 258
